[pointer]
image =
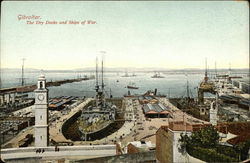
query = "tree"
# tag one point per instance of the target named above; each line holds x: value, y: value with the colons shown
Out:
x: 204, y: 144
x: 242, y: 149
x: 184, y: 142
x: 207, y: 137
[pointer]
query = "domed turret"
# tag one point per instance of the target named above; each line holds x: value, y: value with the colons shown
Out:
x: 41, y: 77
x: 41, y: 82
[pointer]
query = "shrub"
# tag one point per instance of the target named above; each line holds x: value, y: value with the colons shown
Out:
x: 203, y: 144
x: 209, y: 155
x: 206, y: 137
x: 226, y: 150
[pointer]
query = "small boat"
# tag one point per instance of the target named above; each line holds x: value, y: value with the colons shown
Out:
x: 132, y: 86
x: 117, y: 81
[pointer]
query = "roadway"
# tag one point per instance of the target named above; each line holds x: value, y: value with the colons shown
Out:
x: 66, y: 152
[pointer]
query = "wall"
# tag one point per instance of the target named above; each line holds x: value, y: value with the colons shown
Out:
x: 164, y: 143
x: 85, y: 151
x: 132, y: 148
x: 167, y: 146
x: 125, y: 158
x: 177, y: 155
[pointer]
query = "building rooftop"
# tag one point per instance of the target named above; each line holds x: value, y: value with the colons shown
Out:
x: 184, y: 126
x: 155, y: 108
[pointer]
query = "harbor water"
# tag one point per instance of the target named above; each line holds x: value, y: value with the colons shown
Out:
x: 173, y: 85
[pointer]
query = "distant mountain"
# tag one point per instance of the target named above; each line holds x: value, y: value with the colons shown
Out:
x: 122, y: 69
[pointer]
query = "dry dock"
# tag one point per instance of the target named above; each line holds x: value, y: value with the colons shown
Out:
x: 55, y: 129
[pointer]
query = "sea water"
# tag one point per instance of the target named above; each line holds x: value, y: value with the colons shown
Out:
x: 172, y: 85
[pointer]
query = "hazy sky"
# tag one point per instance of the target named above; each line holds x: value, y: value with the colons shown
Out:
x: 133, y: 34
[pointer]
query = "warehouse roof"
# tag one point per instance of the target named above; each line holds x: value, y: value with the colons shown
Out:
x: 154, y: 108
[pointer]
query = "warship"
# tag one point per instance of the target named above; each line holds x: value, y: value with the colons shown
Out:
x: 100, y: 114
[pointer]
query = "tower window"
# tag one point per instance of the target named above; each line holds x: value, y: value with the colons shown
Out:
x: 41, y: 84
x: 41, y: 137
x: 41, y: 117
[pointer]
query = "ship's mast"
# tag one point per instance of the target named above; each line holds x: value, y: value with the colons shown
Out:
x: 208, y: 72
x: 102, y: 78
x: 22, y: 82
x: 100, y: 98
x: 206, y: 78
x: 206, y: 68
x: 229, y: 70
x: 102, y: 52
x: 0, y: 77
x: 96, y: 76
x: 215, y: 69
x: 97, y: 86
x: 187, y: 89
x: 103, y: 95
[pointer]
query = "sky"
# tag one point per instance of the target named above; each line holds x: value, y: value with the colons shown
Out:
x: 164, y: 34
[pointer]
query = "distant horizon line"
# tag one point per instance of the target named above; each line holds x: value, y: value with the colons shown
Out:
x: 122, y: 69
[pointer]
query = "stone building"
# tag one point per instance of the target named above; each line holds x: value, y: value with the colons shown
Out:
x: 167, y: 141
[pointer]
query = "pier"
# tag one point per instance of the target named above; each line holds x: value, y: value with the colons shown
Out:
x: 8, y: 95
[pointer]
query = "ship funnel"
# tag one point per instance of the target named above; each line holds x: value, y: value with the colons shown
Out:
x: 155, y: 91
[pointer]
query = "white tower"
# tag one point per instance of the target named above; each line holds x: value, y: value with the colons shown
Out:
x: 41, y: 113
x: 213, y: 111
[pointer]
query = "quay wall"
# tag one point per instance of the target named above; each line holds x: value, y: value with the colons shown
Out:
x: 148, y: 156
x: 67, y: 124
x: 30, y: 153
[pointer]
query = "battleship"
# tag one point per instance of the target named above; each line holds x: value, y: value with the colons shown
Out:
x: 127, y: 75
x: 157, y: 75
x: 99, y: 114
